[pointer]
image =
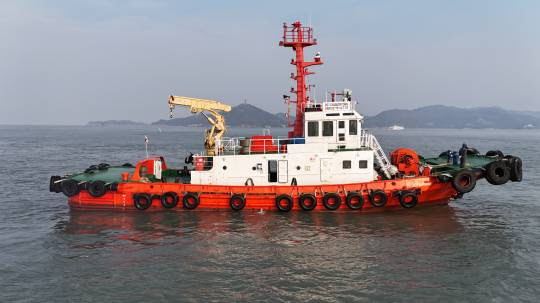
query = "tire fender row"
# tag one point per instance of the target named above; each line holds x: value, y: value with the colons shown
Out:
x: 499, y: 172
x: 71, y: 187
x: 354, y: 200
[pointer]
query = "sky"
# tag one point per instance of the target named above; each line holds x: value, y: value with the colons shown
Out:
x: 69, y: 62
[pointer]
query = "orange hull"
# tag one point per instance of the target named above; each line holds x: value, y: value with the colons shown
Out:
x: 217, y: 197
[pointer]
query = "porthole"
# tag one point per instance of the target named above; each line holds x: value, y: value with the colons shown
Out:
x: 224, y: 167
x: 298, y: 167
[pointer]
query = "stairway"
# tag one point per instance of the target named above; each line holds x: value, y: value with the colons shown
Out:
x: 371, y: 141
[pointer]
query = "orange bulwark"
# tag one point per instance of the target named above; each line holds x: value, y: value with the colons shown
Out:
x: 373, y: 196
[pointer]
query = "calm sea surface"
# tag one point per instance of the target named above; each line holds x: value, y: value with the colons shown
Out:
x: 482, y: 248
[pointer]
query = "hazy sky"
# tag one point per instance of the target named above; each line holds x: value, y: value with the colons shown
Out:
x: 68, y: 62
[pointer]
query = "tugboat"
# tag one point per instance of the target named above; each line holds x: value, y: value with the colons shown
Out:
x: 328, y: 162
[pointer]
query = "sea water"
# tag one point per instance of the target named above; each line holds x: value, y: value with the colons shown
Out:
x: 482, y: 248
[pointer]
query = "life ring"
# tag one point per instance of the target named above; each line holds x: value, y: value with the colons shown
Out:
x: 70, y: 187
x: 378, y: 198
x: 331, y: 201
x: 464, y: 181
x: 237, y: 202
x: 408, y: 199
x: 497, y: 173
x: 169, y: 199
x: 354, y: 200
x: 142, y: 201
x: 495, y: 153
x: 284, y: 207
x: 516, y: 170
x: 97, y: 189
x: 190, y: 201
x: 307, y: 202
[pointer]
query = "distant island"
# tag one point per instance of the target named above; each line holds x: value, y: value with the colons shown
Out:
x: 435, y: 116
x: 114, y: 123
x: 440, y: 116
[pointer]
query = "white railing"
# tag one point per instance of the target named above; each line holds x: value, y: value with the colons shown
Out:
x: 247, y: 146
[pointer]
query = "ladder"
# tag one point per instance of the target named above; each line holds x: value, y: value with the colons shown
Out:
x: 383, y: 161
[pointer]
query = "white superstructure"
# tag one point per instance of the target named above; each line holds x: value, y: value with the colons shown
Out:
x: 334, y: 150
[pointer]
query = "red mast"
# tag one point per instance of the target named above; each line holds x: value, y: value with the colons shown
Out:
x: 298, y: 37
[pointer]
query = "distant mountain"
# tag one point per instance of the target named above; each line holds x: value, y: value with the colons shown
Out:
x: 114, y: 123
x: 440, y: 116
x: 528, y: 113
x: 435, y: 116
x: 243, y: 115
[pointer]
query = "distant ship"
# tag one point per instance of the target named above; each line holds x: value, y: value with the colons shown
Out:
x: 396, y: 127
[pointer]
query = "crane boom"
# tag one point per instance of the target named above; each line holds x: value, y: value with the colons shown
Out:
x: 195, y: 105
x: 198, y: 105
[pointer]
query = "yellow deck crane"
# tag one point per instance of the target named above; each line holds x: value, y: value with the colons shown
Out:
x: 195, y: 105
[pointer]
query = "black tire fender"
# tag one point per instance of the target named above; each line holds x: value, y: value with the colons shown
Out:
x: 142, y: 201
x: 70, y: 187
x: 378, y: 198
x: 497, y: 173
x: 191, y: 200
x: 311, y: 202
x: 464, y: 181
x: 237, y: 202
x: 472, y: 151
x: 516, y: 169
x: 54, y: 185
x: 327, y: 201
x: 169, y: 199
x: 103, y: 166
x: 351, y: 198
x: 289, y: 203
x: 495, y: 153
x: 97, y: 189
x: 408, y: 199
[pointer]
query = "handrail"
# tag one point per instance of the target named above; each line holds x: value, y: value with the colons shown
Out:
x: 247, y: 146
x: 243, y: 145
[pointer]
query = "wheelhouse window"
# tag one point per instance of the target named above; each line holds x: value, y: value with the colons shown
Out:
x: 353, y: 127
x: 328, y: 128
x: 313, y: 128
x: 341, y: 124
x: 341, y: 137
x: 347, y: 164
x: 362, y: 164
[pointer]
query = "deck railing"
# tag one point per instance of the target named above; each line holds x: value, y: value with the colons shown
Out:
x: 247, y: 145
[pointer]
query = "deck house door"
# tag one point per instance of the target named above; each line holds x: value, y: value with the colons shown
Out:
x: 283, y: 167
x: 326, y: 171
